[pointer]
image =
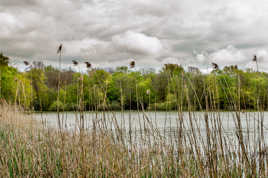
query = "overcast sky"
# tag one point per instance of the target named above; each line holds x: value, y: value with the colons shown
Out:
x: 152, y: 32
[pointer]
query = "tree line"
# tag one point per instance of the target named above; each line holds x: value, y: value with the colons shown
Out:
x: 172, y: 88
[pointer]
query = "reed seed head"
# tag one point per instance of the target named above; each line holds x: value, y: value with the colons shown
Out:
x: 59, y: 49
x: 26, y: 63
x: 148, y: 91
x: 215, y: 66
x: 254, y: 58
x: 132, y: 64
x: 75, y: 62
x: 88, y: 64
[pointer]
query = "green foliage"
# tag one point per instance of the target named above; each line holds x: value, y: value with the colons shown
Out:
x: 54, y: 105
x: 171, y: 88
x: 3, y: 60
x: 8, y: 83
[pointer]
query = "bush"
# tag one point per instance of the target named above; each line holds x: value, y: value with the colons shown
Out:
x: 53, y: 106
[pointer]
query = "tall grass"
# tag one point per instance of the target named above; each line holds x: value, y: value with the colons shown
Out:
x: 59, y: 51
x: 197, y: 145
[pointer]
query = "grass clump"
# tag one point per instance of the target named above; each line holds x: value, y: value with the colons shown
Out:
x: 28, y: 149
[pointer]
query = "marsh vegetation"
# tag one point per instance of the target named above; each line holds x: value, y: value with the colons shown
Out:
x: 105, y: 143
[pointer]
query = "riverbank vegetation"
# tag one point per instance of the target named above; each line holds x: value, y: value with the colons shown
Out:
x: 124, y: 87
x: 198, y: 145
x: 187, y: 149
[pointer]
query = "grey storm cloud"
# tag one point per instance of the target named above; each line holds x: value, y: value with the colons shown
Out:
x: 112, y: 32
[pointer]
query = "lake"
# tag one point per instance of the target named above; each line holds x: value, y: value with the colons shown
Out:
x: 166, y: 123
x: 159, y: 119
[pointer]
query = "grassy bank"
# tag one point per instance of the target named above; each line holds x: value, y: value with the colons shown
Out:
x: 27, y: 149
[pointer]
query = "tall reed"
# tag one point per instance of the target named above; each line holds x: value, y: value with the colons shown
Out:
x: 59, y: 51
x: 193, y: 144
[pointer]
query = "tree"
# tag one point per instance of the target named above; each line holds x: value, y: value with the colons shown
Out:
x: 3, y: 63
x: 7, y: 83
x: 173, y: 69
x: 3, y: 60
x: 40, y: 89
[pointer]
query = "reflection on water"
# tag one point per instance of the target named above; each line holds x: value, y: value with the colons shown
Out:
x: 166, y: 123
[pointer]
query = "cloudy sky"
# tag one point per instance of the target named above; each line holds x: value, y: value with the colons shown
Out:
x: 152, y: 32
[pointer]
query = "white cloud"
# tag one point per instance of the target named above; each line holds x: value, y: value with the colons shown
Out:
x: 110, y: 32
x: 228, y: 56
x: 138, y: 43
